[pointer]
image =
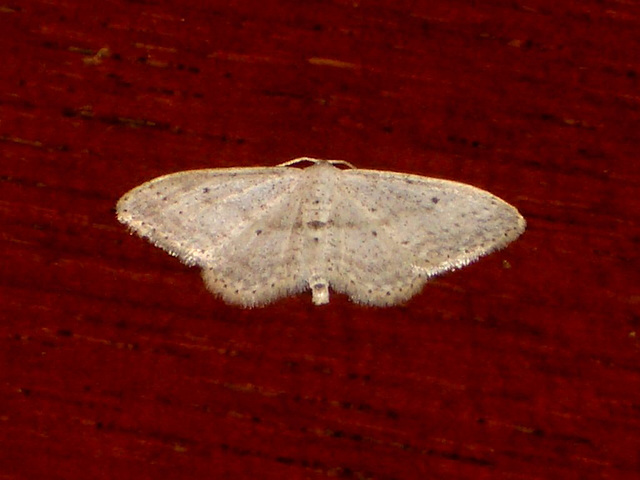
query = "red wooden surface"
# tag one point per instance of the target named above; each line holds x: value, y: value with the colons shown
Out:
x: 116, y: 363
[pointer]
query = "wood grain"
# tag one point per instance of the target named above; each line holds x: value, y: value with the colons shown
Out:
x: 116, y: 363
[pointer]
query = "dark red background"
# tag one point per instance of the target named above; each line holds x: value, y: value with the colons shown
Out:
x: 115, y: 362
